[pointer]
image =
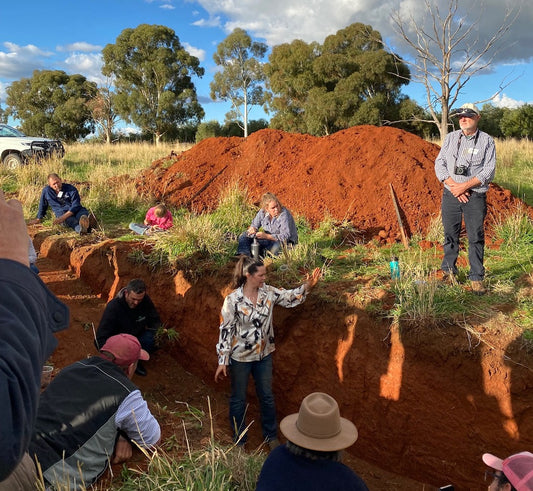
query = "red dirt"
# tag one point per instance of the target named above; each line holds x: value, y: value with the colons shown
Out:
x: 169, y: 385
x: 345, y: 175
x: 427, y: 403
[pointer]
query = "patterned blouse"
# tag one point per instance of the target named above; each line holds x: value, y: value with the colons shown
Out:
x: 246, y: 331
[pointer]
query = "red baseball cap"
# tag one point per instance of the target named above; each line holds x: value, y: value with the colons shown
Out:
x: 125, y: 348
x: 518, y: 469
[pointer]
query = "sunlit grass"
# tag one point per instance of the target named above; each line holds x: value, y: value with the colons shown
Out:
x: 214, y: 467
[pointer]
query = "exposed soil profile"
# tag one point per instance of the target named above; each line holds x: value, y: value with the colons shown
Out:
x: 427, y: 403
x: 346, y: 175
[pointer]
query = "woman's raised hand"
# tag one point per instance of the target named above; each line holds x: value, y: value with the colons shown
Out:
x: 312, y: 279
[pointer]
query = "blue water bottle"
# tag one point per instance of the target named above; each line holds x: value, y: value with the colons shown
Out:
x: 394, y: 268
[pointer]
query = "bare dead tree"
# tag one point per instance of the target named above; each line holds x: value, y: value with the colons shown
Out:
x: 448, y: 53
x: 103, y: 111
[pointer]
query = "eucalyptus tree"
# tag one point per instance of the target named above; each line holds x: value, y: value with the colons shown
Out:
x: 348, y: 80
x: 53, y: 104
x: 518, y: 123
x: 103, y: 112
x: 240, y: 78
x: 153, y: 75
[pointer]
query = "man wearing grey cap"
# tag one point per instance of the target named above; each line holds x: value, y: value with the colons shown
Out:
x: 466, y: 164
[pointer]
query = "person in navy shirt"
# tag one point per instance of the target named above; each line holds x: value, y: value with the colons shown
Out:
x: 65, y: 202
x: 311, y: 458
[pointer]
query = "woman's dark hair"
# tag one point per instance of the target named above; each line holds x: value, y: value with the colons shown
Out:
x: 245, y: 264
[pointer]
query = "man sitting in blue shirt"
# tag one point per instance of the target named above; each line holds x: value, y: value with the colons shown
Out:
x: 64, y: 200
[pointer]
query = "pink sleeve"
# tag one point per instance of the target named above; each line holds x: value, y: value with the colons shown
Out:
x: 150, y: 216
x: 166, y: 221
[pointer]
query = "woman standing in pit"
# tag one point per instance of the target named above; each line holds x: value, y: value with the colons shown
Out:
x: 246, y: 341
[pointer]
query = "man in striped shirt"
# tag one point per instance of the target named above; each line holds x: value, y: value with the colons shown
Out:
x: 466, y: 164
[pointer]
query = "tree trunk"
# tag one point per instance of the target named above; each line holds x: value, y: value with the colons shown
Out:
x: 245, y: 114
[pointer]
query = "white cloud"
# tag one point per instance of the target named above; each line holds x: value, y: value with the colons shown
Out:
x: 165, y: 4
x: 20, y: 61
x: 199, y: 53
x: 3, y: 94
x: 212, y: 21
x: 79, y: 46
x: 281, y: 21
x: 129, y: 130
x: 88, y: 65
x: 504, y: 101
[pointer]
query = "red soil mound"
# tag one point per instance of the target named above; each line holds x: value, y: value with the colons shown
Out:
x: 345, y: 175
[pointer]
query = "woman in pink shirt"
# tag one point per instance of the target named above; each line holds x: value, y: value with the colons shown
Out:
x: 158, y: 218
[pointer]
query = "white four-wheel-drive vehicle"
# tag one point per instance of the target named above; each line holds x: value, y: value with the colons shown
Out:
x: 16, y: 148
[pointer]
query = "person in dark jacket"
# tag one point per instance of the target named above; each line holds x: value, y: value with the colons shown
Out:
x: 64, y: 199
x: 29, y: 315
x: 311, y: 458
x: 132, y: 312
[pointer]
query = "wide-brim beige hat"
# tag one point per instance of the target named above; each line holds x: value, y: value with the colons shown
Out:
x: 318, y: 425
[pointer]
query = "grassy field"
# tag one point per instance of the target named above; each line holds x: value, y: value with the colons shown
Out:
x: 421, y: 300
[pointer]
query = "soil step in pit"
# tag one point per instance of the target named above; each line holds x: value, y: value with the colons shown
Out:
x: 173, y: 394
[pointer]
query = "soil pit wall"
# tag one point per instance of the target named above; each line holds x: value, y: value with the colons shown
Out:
x: 427, y: 404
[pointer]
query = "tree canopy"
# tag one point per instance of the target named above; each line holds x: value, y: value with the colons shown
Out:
x: 349, y: 80
x: 241, y: 77
x: 518, y: 123
x: 153, y: 79
x: 52, y: 104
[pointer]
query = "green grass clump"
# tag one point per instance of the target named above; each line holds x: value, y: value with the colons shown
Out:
x: 514, y: 167
x: 422, y: 299
x: 516, y: 230
x: 213, y: 468
x: 233, y: 214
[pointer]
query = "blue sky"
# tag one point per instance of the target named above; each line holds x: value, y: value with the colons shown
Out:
x: 69, y: 35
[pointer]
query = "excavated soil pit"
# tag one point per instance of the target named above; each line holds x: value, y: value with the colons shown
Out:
x: 427, y: 403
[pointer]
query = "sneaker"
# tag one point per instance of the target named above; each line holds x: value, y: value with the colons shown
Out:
x: 93, y: 223
x: 84, y: 224
x: 478, y: 288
